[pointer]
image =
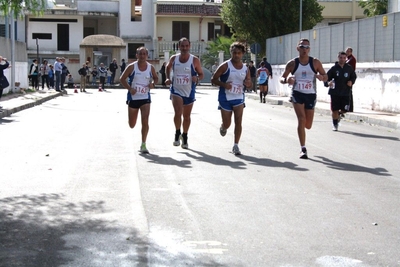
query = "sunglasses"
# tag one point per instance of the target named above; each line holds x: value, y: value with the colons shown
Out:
x: 304, y: 46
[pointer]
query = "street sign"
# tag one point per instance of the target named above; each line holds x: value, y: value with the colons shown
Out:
x: 255, y: 48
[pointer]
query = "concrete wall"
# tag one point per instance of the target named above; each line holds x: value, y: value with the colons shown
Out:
x: 21, y: 62
x: 377, y: 86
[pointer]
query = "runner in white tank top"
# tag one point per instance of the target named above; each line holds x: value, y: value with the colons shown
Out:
x: 305, y: 70
x: 138, y: 78
x: 187, y: 73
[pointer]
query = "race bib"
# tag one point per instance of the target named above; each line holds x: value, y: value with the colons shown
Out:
x: 141, y: 88
x: 237, y: 88
x: 304, y: 85
x: 182, y: 79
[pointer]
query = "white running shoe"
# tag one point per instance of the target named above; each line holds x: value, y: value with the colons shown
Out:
x: 236, y: 150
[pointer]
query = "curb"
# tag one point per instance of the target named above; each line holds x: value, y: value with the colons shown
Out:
x: 349, y: 116
x: 31, y: 103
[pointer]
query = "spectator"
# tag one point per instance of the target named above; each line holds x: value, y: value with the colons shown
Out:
x: 33, y: 72
x: 122, y: 66
x: 83, y: 73
x: 352, y: 61
x: 162, y: 72
x: 109, y: 76
x: 70, y: 81
x: 44, y: 73
x: 3, y: 80
x: 95, y: 73
x: 88, y: 70
x: 51, y: 76
x: 64, y: 73
x: 103, y: 75
x: 253, y: 72
x: 57, y: 71
x: 113, y: 68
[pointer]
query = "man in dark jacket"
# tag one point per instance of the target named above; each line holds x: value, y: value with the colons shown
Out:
x: 113, y: 68
x: 83, y: 73
x: 341, y: 78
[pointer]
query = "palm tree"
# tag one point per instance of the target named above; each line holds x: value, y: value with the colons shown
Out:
x: 221, y: 43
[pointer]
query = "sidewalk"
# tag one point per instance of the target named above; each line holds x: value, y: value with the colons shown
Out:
x: 13, y: 103
x: 380, y: 118
x: 17, y: 102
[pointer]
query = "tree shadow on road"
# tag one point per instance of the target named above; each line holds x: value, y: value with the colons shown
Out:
x: 371, y: 136
x: 345, y: 166
x: 48, y: 230
x: 153, y: 158
x: 214, y: 160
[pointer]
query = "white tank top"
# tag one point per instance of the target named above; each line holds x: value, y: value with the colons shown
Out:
x: 236, y: 78
x: 183, y: 72
x: 305, y: 79
x: 140, y: 82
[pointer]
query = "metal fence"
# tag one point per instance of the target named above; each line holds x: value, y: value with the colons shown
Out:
x: 370, y: 39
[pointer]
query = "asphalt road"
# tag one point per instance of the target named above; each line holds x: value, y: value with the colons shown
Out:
x: 74, y: 190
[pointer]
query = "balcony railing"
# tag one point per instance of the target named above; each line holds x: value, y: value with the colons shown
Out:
x: 196, y: 48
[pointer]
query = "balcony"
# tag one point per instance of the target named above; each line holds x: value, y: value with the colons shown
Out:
x: 196, y: 48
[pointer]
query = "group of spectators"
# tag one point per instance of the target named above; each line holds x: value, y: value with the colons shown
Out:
x: 57, y: 75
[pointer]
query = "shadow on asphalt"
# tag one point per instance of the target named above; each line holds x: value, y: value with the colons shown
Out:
x: 36, y: 230
x: 350, y: 167
x: 371, y: 135
x: 153, y: 158
x: 240, y: 164
x: 214, y: 160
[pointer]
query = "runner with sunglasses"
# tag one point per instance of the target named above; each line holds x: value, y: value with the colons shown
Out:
x: 304, y: 71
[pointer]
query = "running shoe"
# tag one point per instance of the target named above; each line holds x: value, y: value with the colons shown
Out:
x: 222, y: 131
x: 143, y: 149
x: 185, y: 144
x: 335, y: 127
x: 264, y: 100
x: 303, y: 153
x: 177, y: 142
x: 236, y: 150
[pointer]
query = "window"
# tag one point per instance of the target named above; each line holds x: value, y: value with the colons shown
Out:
x: 180, y: 29
x: 63, y: 37
x: 211, y: 29
x: 132, y: 49
x: 136, y: 10
x: 46, y: 36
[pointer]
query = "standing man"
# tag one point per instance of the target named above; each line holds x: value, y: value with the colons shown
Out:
x: 231, y: 77
x: 103, y: 74
x: 253, y: 72
x: 341, y: 77
x: 304, y: 71
x: 142, y: 76
x: 351, y: 60
x: 113, y: 68
x: 64, y: 73
x: 187, y: 73
x: 83, y: 72
x: 57, y: 71
x: 122, y: 66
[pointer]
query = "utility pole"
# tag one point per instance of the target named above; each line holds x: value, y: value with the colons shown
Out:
x: 12, y: 29
x: 301, y: 16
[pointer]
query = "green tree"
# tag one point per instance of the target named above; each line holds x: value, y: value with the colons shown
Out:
x: 35, y: 7
x: 221, y: 43
x: 374, y: 7
x: 257, y: 20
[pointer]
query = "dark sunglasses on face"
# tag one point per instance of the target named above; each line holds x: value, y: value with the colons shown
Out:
x: 304, y: 46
